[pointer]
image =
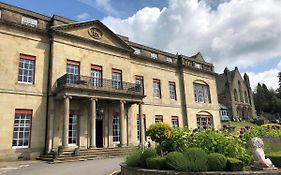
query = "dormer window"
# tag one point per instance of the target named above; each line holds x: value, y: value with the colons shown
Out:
x: 153, y: 56
x: 169, y: 60
x: 137, y: 51
x: 198, y: 66
x: 29, y: 21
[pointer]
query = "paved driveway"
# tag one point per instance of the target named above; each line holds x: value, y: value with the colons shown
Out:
x: 90, y: 167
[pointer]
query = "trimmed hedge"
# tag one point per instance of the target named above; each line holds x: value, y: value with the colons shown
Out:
x: 196, y: 159
x: 276, y: 159
x: 158, y: 163
x: 234, y: 164
x: 133, y: 159
x: 147, y: 153
x: 216, y: 162
x: 176, y: 160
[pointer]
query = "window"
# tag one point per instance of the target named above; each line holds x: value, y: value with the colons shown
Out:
x: 169, y: 60
x: 246, y: 97
x: 175, y: 121
x: 201, y: 93
x: 172, y: 89
x: 72, y: 70
x: 139, y: 83
x: 29, y: 21
x: 0, y: 13
x: 137, y: 51
x: 158, y: 118
x: 197, y: 65
x: 22, y: 127
x: 235, y: 95
x: 156, y: 88
x: 153, y: 56
x: 96, y: 73
x: 204, y: 120
x: 138, y: 125
x: 72, y: 129
x: 116, y: 79
x: 116, y: 128
x: 240, y: 91
x: 26, y: 69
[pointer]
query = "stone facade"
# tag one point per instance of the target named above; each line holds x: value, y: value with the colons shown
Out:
x: 236, y: 94
x: 69, y: 106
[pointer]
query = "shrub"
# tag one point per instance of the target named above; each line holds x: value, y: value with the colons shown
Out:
x: 133, y: 159
x: 176, y: 160
x: 275, y: 158
x: 148, y: 153
x: 234, y: 164
x: 216, y: 162
x: 156, y: 163
x: 196, y: 159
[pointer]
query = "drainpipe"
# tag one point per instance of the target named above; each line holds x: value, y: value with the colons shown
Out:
x: 49, y: 88
x: 182, y: 90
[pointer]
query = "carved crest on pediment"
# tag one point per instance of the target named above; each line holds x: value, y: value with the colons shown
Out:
x: 95, y: 33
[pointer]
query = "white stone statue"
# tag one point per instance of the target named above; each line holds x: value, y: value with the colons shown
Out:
x: 260, y: 161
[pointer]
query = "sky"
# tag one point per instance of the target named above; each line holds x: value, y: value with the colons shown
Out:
x: 242, y: 33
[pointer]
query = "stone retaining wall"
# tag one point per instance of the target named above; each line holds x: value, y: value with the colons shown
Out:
x: 125, y: 170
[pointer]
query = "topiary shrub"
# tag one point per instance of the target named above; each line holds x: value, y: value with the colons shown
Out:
x: 156, y: 163
x: 234, y: 164
x: 176, y: 161
x: 147, y: 153
x: 216, y: 162
x: 196, y: 159
x: 133, y: 159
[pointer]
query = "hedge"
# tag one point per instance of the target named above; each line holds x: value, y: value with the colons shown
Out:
x: 234, y: 164
x: 158, y: 163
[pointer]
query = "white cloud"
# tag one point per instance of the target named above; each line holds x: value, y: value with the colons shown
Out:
x: 267, y: 77
x: 83, y: 16
x: 243, y: 33
x: 98, y: 4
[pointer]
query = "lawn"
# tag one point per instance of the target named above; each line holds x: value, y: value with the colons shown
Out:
x: 239, y: 124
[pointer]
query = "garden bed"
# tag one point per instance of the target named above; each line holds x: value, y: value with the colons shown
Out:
x: 125, y: 170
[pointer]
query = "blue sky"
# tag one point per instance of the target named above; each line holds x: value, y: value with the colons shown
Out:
x: 243, y: 33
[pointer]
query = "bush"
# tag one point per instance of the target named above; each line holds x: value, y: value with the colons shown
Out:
x: 176, y: 161
x: 276, y: 159
x: 234, y: 164
x: 156, y: 163
x: 133, y: 159
x: 216, y: 162
x: 196, y: 159
x: 148, y: 153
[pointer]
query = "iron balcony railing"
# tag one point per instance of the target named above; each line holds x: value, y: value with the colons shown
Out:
x: 87, y: 82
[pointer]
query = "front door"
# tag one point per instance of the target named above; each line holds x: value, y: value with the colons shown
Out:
x: 72, y: 129
x: 99, y: 130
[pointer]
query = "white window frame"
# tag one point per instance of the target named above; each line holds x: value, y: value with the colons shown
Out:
x: 23, y: 126
x: 96, y: 77
x: 72, y: 71
x: 202, y: 120
x: 73, y: 129
x: 29, y: 21
x: 154, y: 55
x: 156, y: 89
x: 116, y: 129
x: 201, y: 93
x: 169, y: 59
x: 156, y: 120
x: 137, y: 51
x: 26, y: 71
x: 172, y: 90
x: 175, y: 123
x: 116, y: 80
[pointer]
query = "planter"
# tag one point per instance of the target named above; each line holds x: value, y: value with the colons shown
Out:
x: 125, y: 170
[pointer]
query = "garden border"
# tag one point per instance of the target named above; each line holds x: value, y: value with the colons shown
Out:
x: 125, y: 170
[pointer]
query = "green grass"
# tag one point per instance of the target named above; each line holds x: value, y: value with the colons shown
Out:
x: 239, y: 124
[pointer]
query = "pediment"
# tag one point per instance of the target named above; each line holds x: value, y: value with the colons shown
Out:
x: 93, y: 30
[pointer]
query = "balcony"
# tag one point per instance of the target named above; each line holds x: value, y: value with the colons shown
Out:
x: 90, y: 84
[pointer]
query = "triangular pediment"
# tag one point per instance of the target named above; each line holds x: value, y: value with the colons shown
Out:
x: 199, y: 57
x: 93, y: 30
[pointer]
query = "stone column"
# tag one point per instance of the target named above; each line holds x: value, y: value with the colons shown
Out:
x: 141, y: 125
x: 93, y: 123
x: 105, y: 126
x: 66, y: 121
x: 123, y: 136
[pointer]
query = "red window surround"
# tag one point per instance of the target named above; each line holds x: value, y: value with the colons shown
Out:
x: 139, y: 77
x: 27, y: 57
x: 23, y: 111
x: 77, y: 63
x: 159, y: 118
x: 116, y: 71
x: 96, y: 67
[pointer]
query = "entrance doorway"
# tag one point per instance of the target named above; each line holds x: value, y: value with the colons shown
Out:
x: 99, y: 130
x: 72, y: 129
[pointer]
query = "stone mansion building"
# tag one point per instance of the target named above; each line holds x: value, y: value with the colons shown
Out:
x: 78, y: 84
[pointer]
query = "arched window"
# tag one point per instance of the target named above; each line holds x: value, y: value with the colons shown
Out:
x: 235, y: 95
x: 240, y: 91
x: 246, y: 97
x: 201, y: 92
x: 204, y: 118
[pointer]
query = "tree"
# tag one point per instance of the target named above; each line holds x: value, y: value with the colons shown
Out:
x: 279, y: 89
